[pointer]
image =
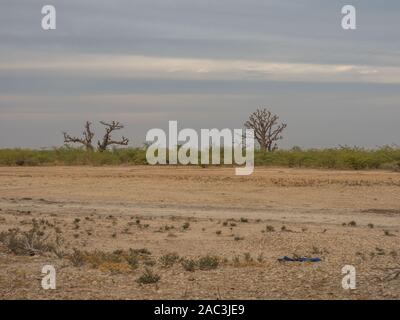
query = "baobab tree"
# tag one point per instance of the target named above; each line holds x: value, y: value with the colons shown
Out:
x: 107, y: 140
x: 88, y: 136
x: 267, y: 131
x: 86, y: 140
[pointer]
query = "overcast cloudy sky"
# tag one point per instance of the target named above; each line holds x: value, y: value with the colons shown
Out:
x: 205, y: 63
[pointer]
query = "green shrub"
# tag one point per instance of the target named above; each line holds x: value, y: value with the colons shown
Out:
x: 208, y: 263
x: 169, y: 259
x: 132, y: 259
x: 270, y: 228
x: 148, y: 277
x: 189, y: 264
x: 77, y: 258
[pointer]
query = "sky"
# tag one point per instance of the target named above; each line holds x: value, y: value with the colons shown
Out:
x: 206, y: 64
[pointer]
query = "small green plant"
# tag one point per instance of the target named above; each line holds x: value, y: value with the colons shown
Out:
x: 208, y: 262
x: 77, y: 258
x: 247, y: 257
x: 148, y: 277
x: 218, y: 232
x: 166, y: 228
x: 352, y: 224
x: 132, y: 259
x: 370, y: 225
x: 270, y: 228
x: 244, y: 220
x: 189, y: 264
x: 186, y: 226
x: 169, y: 259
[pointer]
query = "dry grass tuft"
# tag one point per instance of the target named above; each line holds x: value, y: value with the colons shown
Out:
x: 38, y: 240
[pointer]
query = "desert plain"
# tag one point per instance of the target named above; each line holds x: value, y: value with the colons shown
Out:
x: 142, y: 232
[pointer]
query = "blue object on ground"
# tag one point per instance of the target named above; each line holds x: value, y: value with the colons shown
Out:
x: 300, y: 259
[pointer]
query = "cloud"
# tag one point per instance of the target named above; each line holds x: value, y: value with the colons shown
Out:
x: 138, y: 66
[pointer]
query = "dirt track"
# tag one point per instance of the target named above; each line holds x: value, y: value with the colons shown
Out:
x: 312, y: 205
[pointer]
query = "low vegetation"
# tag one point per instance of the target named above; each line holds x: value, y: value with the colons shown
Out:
x: 71, y: 156
x: 270, y: 228
x: 148, y: 277
x: 169, y: 259
x: 189, y: 264
x: 386, y: 158
x: 39, y: 239
x: 208, y: 263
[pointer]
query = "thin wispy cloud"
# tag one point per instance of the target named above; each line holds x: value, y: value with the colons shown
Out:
x: 217, y: 69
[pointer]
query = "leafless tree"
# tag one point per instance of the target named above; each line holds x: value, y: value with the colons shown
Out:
x: 107, y: 139
x: 267, y: 131
x: 88, y: 135
x: 86, y: 140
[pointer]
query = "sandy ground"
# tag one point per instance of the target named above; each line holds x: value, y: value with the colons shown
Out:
x: 117, y: 208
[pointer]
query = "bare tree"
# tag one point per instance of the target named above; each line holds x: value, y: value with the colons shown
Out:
x: 86, y: 140
x: 88, y: 135
x: 107, y: 139
x: 267, y: 131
